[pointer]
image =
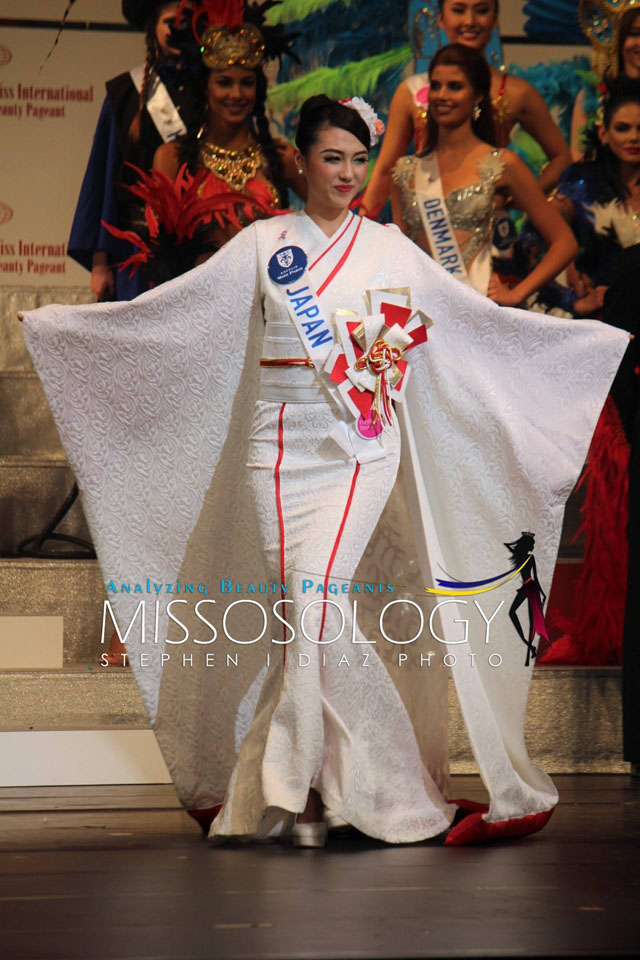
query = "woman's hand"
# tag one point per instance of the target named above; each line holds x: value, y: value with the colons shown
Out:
x: 502, y: 294
x: 591, y: 303
x: 579, y: 282
x: 103, y: 283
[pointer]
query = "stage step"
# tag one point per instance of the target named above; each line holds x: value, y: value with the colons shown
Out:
x: 574, y: 722
x: 72, y: 589
x: 573, y: 717
x: 81, y: 696
x: 26, y: 426
x: 31, y: 492
x: 31, y: 643
x: 33, y: 488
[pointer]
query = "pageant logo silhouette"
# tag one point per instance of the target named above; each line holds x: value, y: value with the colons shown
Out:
x: 523, y: 563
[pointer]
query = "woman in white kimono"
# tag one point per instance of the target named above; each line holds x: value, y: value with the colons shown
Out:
x: 281, y: 487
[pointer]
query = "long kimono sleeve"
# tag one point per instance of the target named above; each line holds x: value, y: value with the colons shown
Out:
x: 500, y: 410
x: 144, y: 395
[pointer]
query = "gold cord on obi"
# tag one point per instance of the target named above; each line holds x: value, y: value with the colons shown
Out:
x: 287, y: 362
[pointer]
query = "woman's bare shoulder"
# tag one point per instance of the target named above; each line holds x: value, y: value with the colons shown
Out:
x: 167, y: 159
x: 519, y: 92
x: 403, y: 96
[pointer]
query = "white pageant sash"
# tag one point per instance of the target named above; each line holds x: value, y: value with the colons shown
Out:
x: 288, y: 270
x: 160, y: 106
x: 289, y: 273
x: 435, y: 217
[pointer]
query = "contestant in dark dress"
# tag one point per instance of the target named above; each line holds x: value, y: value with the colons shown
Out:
x: 148, y: 106
x: 621, y: 310
x: 600, y: 197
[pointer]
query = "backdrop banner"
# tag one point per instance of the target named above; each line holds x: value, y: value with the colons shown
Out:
x: 48, y: 113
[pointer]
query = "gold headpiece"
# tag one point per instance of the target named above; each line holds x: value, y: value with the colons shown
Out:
x: 600, y: 23
x: 241, y: 46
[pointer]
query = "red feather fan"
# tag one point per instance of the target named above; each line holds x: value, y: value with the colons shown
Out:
x: 178, y: 219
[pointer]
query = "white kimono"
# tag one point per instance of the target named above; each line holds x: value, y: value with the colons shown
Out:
x: 193, y: 471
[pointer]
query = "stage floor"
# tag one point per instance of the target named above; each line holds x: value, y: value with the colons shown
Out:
x: 108, y: 873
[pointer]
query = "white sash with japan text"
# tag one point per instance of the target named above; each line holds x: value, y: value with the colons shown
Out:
x: 288, y: 270
x: 289, y: 273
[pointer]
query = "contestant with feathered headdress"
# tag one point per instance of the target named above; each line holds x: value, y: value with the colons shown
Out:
x: 227, y: 170
x: 613, y: 30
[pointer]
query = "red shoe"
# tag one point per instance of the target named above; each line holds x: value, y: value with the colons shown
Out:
x: 205, y: 817
x: 472, y: 828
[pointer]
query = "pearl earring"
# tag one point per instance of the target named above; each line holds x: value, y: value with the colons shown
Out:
x: 476, y: 111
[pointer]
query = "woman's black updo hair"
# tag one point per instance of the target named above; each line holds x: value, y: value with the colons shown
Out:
x: 619, y: 91
x: 320, y: 112
x: 600, y: 164
x: 477, y: 71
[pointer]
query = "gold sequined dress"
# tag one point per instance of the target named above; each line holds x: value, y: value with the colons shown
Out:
x: 471, y: 208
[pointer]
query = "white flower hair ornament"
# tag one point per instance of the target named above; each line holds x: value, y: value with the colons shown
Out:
x: 368, y: 114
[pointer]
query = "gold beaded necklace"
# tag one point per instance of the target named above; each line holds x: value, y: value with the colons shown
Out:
x: 235, y: 167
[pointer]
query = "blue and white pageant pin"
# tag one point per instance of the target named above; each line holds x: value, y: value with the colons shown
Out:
x: 287, y: 264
